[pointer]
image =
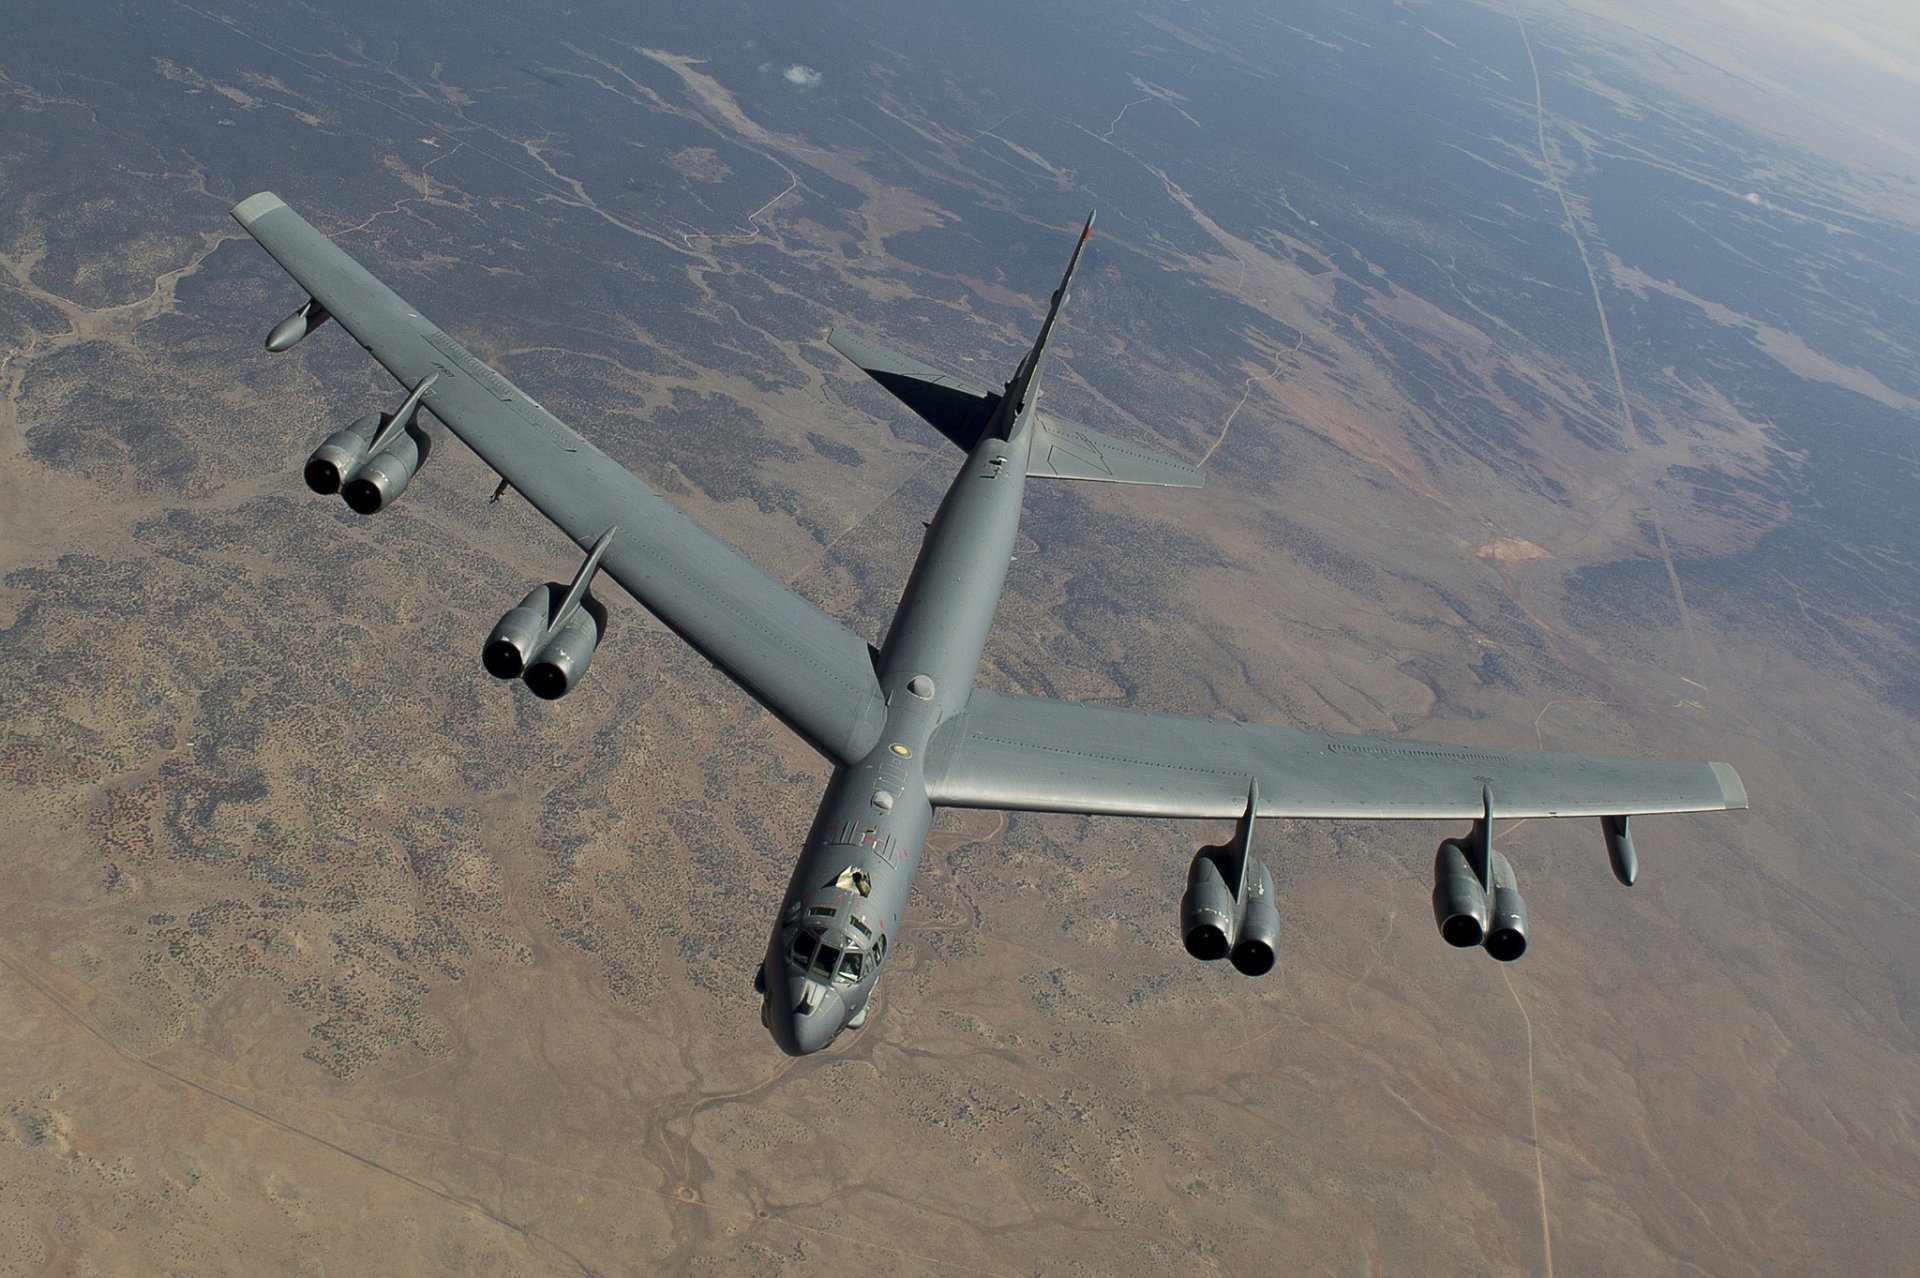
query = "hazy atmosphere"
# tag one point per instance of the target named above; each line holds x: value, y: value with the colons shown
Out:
x: 1556, y: 372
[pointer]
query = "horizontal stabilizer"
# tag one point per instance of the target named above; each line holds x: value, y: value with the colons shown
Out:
x: 1068, y: 450
x: 957, y: 409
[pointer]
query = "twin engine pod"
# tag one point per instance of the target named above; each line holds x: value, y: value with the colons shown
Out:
x: 369, y: 481
x: 545, y: 642
x: 1228, y: 910
x: 1471, y: 910
x: 1215, y: 923
x: 372, y: 461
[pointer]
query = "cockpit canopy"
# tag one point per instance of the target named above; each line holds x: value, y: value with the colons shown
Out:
x: 832, y: 950
x: 823, y: 960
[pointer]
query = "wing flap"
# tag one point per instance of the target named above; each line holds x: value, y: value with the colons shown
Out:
x: 807, y: 669
x: 1031, y: 754
x: 1068, y: 450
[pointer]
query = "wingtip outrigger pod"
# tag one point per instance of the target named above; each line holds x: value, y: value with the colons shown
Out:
x: 1620, y: 853
x: 290, y: 330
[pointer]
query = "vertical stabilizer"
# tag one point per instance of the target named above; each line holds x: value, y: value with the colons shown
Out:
x: 1021, y: 389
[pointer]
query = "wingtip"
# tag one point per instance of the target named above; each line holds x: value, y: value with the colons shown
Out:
x: 1732, y: 789
x: 256, y: 206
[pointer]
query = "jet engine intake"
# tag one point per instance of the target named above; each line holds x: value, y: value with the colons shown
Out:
x: 550, y: 658
x: 372, y: 461
x: 1208, y: 914
x: 548, y: 641
x: 564, y: 658
x: 510, y: 649
x: 1258, y: 937
x: 342, y: 454
x: 386, y: 474
x: 1460, y: 905
x: 1507, y: 929
x: 1228, y: 910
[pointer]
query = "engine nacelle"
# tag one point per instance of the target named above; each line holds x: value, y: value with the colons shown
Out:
x: 548, y: 641
x: 386, y: 474
x: 564, y: 658
x: 551, y: 659
x: 1460, y: 905
x: 1507, y: 928
x: 511, y: 647
x: 342, y: 454
x: 1258, y: 937
x: 1208, y: 917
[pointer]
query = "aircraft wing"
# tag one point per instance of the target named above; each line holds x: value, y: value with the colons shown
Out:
x: 807, y: 669
x: 1031, y: 754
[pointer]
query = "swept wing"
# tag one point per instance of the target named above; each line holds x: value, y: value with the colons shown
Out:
x: 807, y: 669
x: 1032, y: 754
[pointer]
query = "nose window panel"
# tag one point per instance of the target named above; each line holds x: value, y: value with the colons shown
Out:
x: 825, y: 961
x: 803, y: 947
x: 850, y: 967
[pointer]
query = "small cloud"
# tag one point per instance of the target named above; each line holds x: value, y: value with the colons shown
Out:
x: 1753, y: 197
x: 803, y: 77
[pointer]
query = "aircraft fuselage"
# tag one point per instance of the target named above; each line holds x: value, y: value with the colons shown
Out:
x: 868, y: 839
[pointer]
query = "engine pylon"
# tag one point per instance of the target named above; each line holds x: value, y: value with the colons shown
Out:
x: 1228, y: 909
x: 1476, y: 898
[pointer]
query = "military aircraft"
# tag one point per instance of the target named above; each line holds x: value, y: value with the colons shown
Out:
x: 903, y: 726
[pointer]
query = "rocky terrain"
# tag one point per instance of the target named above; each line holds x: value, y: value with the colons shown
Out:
x: 1556, y: 388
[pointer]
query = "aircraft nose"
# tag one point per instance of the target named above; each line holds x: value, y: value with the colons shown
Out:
x: 803, y: 1020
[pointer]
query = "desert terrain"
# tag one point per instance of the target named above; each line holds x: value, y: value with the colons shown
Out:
x: 1556, y: 385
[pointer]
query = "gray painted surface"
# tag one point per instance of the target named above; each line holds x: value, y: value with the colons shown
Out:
x: 906, y: 730
x: 806, y: 668
x: 1036, y: 755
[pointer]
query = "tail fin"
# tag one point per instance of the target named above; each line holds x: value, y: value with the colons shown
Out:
x: 966, y: 413
x: 1027, y: 375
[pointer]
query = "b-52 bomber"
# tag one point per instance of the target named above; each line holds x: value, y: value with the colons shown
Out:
x: 903, y: 726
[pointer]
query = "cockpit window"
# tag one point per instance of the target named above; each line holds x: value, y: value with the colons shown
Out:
x: 803, y: 947
x: 850, y: 967
x: 825, y: 960
x: 821, y: 911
